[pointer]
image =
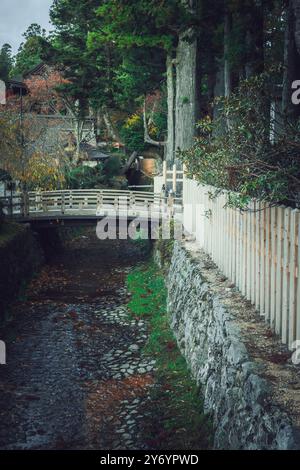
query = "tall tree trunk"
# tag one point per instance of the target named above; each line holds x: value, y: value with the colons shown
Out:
x: 187, y: 86
x: 186, y: 92
x: 170, y: 146
x: 112, y: 132
x: 98, y: 117
x: 211, y: 80
x: 255, y: 40
x: 79, y: 124
x: 227, y: 67
x: 296, y: 9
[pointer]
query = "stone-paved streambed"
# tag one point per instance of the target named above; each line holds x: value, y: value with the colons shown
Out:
x: 76, y: 375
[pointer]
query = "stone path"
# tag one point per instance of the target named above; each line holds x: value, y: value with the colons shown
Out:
x: 76, y: 376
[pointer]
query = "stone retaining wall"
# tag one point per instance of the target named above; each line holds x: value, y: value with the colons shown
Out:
x: 235, y: 389
x: 20, y: 257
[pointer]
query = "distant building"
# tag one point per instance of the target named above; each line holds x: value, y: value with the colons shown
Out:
x: 16, y: 87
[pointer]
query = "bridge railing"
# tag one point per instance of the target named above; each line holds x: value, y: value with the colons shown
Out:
x: 87, y: 201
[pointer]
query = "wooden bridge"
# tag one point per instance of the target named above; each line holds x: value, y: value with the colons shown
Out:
x: 86, y: 206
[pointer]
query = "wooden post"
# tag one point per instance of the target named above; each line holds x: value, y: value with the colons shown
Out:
x: 45, y: 205
x: 297, y: 242
x: 268, y: 264
x: 174, y: 178
x: 273, y: 266
x: 262, y: 258
x: 249, y: 246
x: 11, y: 202
x: 293, y: 279
x: 71, y: 200
x: 38, y: 201
x: 279, y: 270
x: 165, y: 174
x: 286, y: 276
x: 240, y: 266
x: 257, y: 255
x: 99, y: 203
x: 63, y: 203
x: 132, y: 200
x: 171, y: 206
x: 25, y: 204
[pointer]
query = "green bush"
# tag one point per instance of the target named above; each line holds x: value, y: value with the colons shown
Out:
x: 102, y: 176
x: 112, y: 167
x: 84, y: 177
x: 132, y: 134
x: 234, y: 151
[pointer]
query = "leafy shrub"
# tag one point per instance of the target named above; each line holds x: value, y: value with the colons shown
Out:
x: 42, y: 172
x: 112, y: 167
x: 84, y: 177
x: 101, y: 176
x: 234, y: 151
x: 132, y: 133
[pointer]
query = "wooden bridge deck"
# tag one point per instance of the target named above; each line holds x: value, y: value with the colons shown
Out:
x: 83, y: 205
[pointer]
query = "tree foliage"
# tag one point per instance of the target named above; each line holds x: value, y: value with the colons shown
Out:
x: 113, y: 55
x: 241, y: 157
x: 30, y: 51
x: 6, y: 62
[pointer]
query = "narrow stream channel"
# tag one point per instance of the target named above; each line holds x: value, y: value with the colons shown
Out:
x: 76, y: 376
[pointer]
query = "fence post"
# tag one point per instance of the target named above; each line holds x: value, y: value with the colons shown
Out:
x: 174, y: 178
x: 99, y: 203
x: 165, y: 176
x: 63, y: 203
x: 262, y: 258
x: 25, y: 204
x: 278, y: 319
x: 297, y: 242
x: 258, y: 246
x: 71, y: 200
x: 273, y: 267
x: 11, y: 203
x: 285, y: 277
x: 293, y: 279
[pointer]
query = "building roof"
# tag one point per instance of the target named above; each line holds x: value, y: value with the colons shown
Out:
x: 94, y: 153
x: 16, y: 82
x: 37, y: 70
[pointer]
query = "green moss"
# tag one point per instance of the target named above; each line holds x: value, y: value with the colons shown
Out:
x: 165, y: 249
x: 176, y: 418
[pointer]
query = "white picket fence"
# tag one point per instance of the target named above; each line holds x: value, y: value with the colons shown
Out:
x: 257, y: 249
x: 173, y: 176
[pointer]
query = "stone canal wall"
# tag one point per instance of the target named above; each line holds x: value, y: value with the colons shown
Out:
x: 20, y: 257
x: 244, y: 373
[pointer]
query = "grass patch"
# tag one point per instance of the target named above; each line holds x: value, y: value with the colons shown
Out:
x: 176, y: 419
